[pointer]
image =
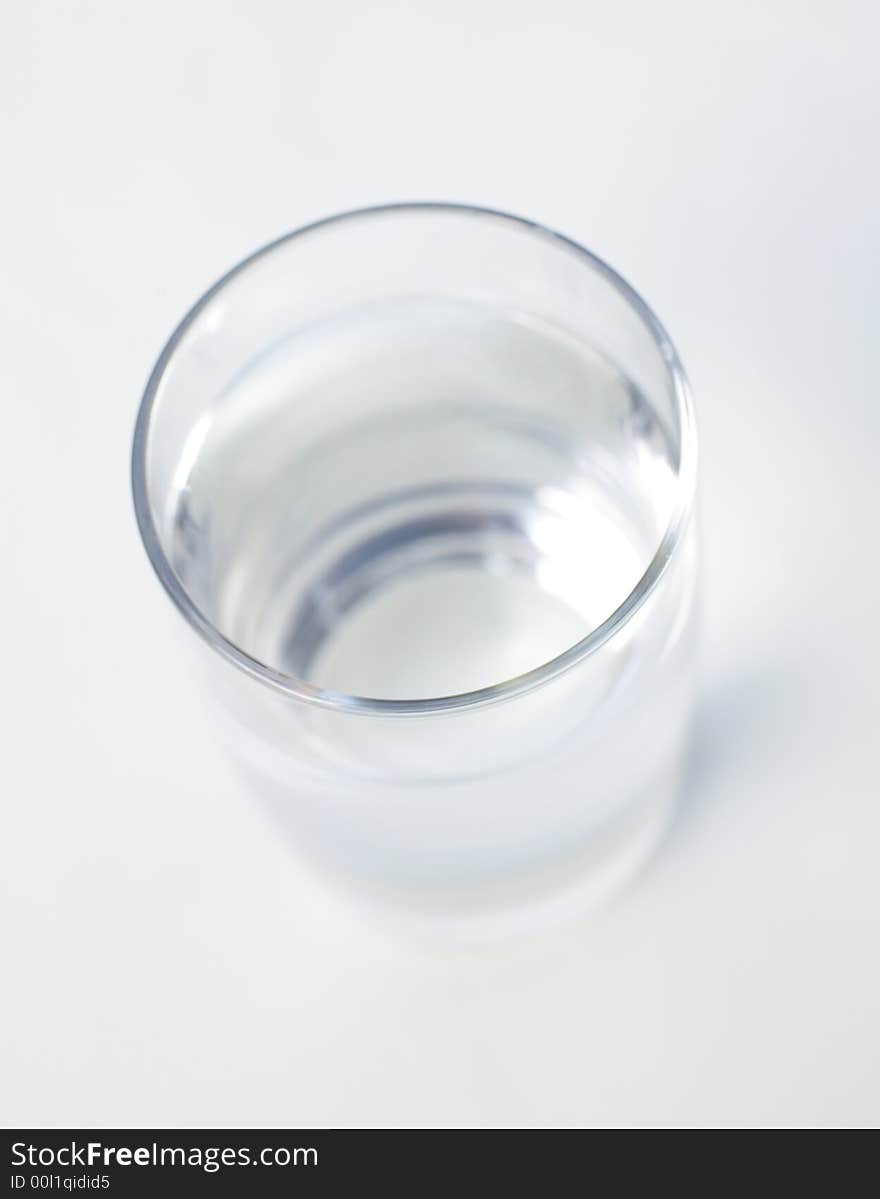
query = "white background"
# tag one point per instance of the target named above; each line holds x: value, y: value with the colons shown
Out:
x: 165, y: 965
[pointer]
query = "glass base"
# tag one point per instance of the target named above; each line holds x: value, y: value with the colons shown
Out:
x: 512, y: 907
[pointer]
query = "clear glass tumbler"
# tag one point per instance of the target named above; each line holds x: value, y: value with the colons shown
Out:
x: 420, y: 477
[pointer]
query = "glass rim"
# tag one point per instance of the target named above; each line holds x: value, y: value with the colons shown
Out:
x: 298, y: 688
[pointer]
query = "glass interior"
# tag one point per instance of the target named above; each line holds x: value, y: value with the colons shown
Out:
x: 413, y: 452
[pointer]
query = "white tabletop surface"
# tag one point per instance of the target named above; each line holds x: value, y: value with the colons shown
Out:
x: 165, y: 964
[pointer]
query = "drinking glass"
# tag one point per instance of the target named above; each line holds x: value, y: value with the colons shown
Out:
x: 420, y: 478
